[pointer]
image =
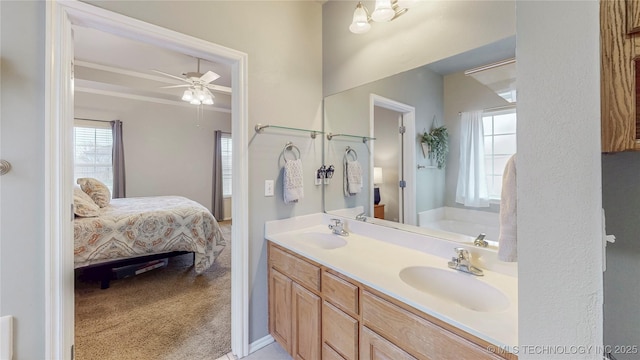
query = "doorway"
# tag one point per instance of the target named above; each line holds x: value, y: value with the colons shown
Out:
x: 59, y: 174
x: 399, y: 148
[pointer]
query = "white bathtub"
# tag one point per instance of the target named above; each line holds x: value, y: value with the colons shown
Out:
x: 462, y: 224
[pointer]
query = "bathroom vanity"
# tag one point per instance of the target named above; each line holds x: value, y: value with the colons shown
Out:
x: 381, y: 293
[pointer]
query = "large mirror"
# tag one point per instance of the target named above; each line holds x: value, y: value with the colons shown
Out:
x: 382, y: 170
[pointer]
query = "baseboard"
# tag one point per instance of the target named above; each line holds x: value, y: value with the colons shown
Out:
x: 260, y: 343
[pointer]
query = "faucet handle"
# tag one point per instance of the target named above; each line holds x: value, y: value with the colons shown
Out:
x: 462, y: 253
x: 336, y: 221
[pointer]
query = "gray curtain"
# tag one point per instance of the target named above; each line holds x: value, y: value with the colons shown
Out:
x: 119, y: 188
x: 216, y: 205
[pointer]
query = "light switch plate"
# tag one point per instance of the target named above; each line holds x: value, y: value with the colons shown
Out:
x: 6, y: 337
x: 268, y: 188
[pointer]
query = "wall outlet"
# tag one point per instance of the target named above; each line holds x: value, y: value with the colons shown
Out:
x: 268, y: 188
x: 6, y: 337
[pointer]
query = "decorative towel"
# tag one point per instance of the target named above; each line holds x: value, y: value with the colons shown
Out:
x: 508, y: 239
x: 353, y: 178
x: 292, y: 180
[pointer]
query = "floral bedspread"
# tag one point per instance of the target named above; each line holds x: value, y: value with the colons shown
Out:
x: 131, y: 227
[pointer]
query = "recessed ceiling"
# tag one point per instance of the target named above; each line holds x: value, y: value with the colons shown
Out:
x: 110, y: 64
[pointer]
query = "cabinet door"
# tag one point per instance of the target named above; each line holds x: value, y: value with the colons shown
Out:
x: 280, y: 308
x: 340, y: 331
x: 306, y: 339
x: 375, y: 347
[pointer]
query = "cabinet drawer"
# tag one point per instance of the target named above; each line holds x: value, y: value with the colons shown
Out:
x: 417, y: 335
x: 375, y: 347
x: 329, y: 354
x: 302, y: 272
x: 340, y: 331
x: 340, y: 293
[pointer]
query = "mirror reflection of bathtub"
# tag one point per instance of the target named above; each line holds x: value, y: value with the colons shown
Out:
x: 462, y: 224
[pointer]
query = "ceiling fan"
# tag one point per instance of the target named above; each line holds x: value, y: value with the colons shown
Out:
x: 197, y: 85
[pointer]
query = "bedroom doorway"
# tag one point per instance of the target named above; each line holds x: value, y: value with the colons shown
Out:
x: 61, y: 17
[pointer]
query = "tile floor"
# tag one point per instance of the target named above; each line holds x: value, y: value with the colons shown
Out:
x: 272, y: 351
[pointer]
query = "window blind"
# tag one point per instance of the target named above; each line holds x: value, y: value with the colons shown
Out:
x: 227, y: 161
x: 93, y: 146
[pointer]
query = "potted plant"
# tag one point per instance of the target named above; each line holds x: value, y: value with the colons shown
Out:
x: 435, y: 145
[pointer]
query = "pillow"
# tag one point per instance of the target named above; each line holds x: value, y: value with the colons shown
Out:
x: 83, y: 205
x: 98, y: 191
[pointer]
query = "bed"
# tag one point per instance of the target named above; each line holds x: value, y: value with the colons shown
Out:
x: 137, y: 228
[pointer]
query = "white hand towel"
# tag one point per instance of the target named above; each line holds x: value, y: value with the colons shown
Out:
x: 508, y: 239
x: 292, y: 180
x: 354, y: 177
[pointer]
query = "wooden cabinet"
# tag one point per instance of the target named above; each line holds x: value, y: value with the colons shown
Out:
x: 619, y: 69
x: 378, y: 211
x: 375, y: 347
x: 294, y: 309
x: 318, y: 313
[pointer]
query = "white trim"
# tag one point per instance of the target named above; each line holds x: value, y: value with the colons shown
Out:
x: 409, y: 152
x: 152, y: 99
x: 260, y: 343
x: 59, y: 302
x: 132, y: 73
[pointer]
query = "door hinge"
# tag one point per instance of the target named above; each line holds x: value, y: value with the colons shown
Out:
x: 402, y: 129
x: 73, y: 352
x: 402, y: 184
x: 73, y: 213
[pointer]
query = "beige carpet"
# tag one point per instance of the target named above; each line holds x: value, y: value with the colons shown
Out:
x: 167, y: 313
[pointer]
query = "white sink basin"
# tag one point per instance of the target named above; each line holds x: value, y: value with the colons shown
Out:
x: 463, y: 289
x: 323, y: 240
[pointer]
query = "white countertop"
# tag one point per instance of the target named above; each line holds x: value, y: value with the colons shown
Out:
x: 375, y: 255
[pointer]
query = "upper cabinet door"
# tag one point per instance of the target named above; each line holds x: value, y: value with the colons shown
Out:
x: 620, y: 72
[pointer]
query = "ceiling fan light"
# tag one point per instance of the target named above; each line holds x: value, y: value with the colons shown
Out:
x: 208, y: 100
x: 383, y: 12
x: 195, y: 101
x: 187, y: 95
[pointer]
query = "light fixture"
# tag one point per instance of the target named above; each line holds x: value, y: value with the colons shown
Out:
x: 197, y: 95
x: 385, y: 10
x: 377, y: 180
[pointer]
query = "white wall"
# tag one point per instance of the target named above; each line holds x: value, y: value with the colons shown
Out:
x: 463, y: 93
x: 22, y: 190
x: 430, y: 31
x: 168, y: 149
x: 559, y: 183
x: 387, y: 156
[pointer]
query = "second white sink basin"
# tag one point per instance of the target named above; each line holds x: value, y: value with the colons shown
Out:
x: 463, y: 289
x: 323, y: 240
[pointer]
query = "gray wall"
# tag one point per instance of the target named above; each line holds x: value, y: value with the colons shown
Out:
x: 463, y: 93
x: 168, y: 149
x: 387, y: 156
x: 620, y: 200
x: 22, y: 275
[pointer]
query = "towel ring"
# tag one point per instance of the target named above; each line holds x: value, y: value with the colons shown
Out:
x: 289, y: 147
x: 351, y: 151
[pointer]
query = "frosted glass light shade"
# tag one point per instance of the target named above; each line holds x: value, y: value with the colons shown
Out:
x: 187, y: 95
x: 208, y: 100
x: 360, y: 23
x: 383, y: 12
x: 377, y: 175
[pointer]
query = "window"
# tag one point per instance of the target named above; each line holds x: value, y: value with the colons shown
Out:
x: 499, y: 145
x: 93, y: 143
x: 226, y: 150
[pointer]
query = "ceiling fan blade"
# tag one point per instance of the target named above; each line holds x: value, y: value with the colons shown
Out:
x: 171, y: 76
x: 208, y: 77
x: 175, y: 86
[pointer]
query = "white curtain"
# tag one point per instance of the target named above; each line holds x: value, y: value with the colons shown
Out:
x: 472, y: 187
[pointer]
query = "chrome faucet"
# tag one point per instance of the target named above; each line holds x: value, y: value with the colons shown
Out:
x: 361, y: 216
x: 338, y: 227
x: 462, y: 262
x: 480, y: 241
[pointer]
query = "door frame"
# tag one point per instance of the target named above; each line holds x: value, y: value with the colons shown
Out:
x: 408, y: 202
x: 59, y: 271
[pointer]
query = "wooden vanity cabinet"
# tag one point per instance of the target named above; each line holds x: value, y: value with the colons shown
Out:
x: 318, y: 313
x: 294, y: 305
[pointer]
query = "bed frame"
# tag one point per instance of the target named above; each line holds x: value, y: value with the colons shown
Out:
x: 103, y: 272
